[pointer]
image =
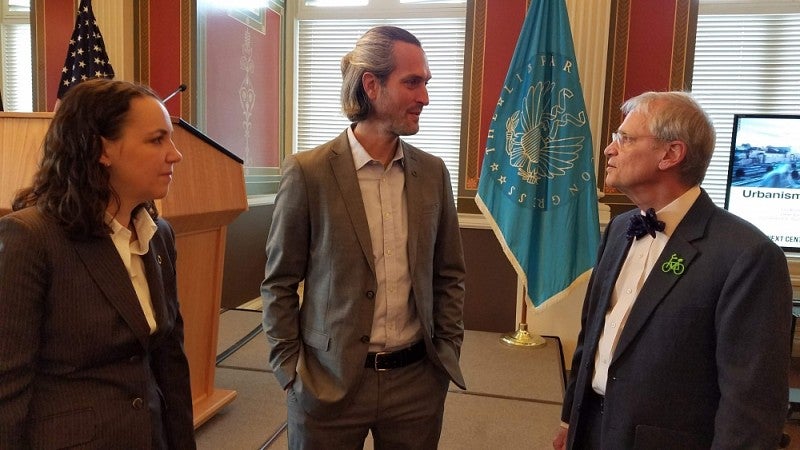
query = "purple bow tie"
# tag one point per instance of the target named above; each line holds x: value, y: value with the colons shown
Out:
x: 644, y: 224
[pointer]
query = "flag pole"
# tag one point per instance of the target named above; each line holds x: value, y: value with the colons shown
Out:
x: 521, y: 337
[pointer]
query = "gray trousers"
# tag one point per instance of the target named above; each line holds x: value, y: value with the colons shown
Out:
x: 402, y: 407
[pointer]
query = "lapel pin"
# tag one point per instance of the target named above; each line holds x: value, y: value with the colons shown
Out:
x: 674, y: 265
x: 158, y: 258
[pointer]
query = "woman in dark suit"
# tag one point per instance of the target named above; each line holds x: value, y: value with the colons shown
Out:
x: 91, y: 337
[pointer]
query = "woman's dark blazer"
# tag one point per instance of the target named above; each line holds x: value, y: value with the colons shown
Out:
x: 78, y: 367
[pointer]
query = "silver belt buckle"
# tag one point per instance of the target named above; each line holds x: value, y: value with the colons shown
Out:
x: 377, y: 357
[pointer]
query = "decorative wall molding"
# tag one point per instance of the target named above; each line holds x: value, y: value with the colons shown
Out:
x: 247, y: 95
x: 143, y: 41
x: 188, y: 57
x: 473, y: 94
x: 39, y: 56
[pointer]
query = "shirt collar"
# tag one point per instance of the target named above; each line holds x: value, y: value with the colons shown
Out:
x: 673, y: 213
x: 360, y: 155
x: 145, y: 230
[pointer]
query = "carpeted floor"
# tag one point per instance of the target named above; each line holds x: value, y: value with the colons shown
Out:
x: 513, y: 398
x: 792, y: 427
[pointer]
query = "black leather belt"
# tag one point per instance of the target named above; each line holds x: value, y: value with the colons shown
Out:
x: 381, y: 361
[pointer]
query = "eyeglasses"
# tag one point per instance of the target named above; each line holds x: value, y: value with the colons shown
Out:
x: 623, y: 139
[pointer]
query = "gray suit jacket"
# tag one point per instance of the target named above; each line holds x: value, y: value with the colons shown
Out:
x: 320, y: 234
x: 703, y: 359
x: 78, y: 366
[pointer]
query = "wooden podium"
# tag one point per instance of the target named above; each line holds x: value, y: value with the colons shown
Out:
x: 207, y: 193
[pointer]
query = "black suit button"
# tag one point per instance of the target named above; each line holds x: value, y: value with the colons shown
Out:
x: 137, y: 403
x: 370, y: 295
x: 365, y: 339
x: 134, y: 359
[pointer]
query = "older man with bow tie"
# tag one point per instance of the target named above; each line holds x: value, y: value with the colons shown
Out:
x: 686, y: 322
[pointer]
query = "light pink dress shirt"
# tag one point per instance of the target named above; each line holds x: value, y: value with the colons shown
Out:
x: 395, y: 324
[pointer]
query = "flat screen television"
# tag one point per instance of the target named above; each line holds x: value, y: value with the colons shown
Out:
x: 763, y: 175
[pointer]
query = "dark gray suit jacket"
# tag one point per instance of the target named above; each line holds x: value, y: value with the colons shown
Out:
x: 320, y: 234
x: 78, y: 366
x: 703, y: 359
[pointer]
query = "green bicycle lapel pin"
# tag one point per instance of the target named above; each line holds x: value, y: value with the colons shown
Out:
x: 674, y: 265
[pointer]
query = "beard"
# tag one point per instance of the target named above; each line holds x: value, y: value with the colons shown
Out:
x: 405, y: 127
x: 401, y: 121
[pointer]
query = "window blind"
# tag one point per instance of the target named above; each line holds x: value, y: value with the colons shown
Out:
x: 16, y: 76
x: 744, y: 63
x: 323, y: 42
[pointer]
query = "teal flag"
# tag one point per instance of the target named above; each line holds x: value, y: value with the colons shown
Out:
x: 537, y: 185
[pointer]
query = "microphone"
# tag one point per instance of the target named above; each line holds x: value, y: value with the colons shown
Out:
x: 181, y: 88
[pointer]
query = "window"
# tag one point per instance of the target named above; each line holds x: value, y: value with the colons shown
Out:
x: 326, y: 33
x: 746, y: 60
x: 16, y: 76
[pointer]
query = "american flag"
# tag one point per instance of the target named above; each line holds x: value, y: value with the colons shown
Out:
x: 86, y: 55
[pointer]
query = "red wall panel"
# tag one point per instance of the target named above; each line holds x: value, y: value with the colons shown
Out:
x: 59, y: 19
x: 503, y: 25
x: 649, y: 46
x: 165, y: 51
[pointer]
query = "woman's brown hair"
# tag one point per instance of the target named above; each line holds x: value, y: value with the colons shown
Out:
x: 71, y: 185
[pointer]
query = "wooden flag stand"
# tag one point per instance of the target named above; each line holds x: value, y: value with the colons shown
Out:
x: 521, y: 337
